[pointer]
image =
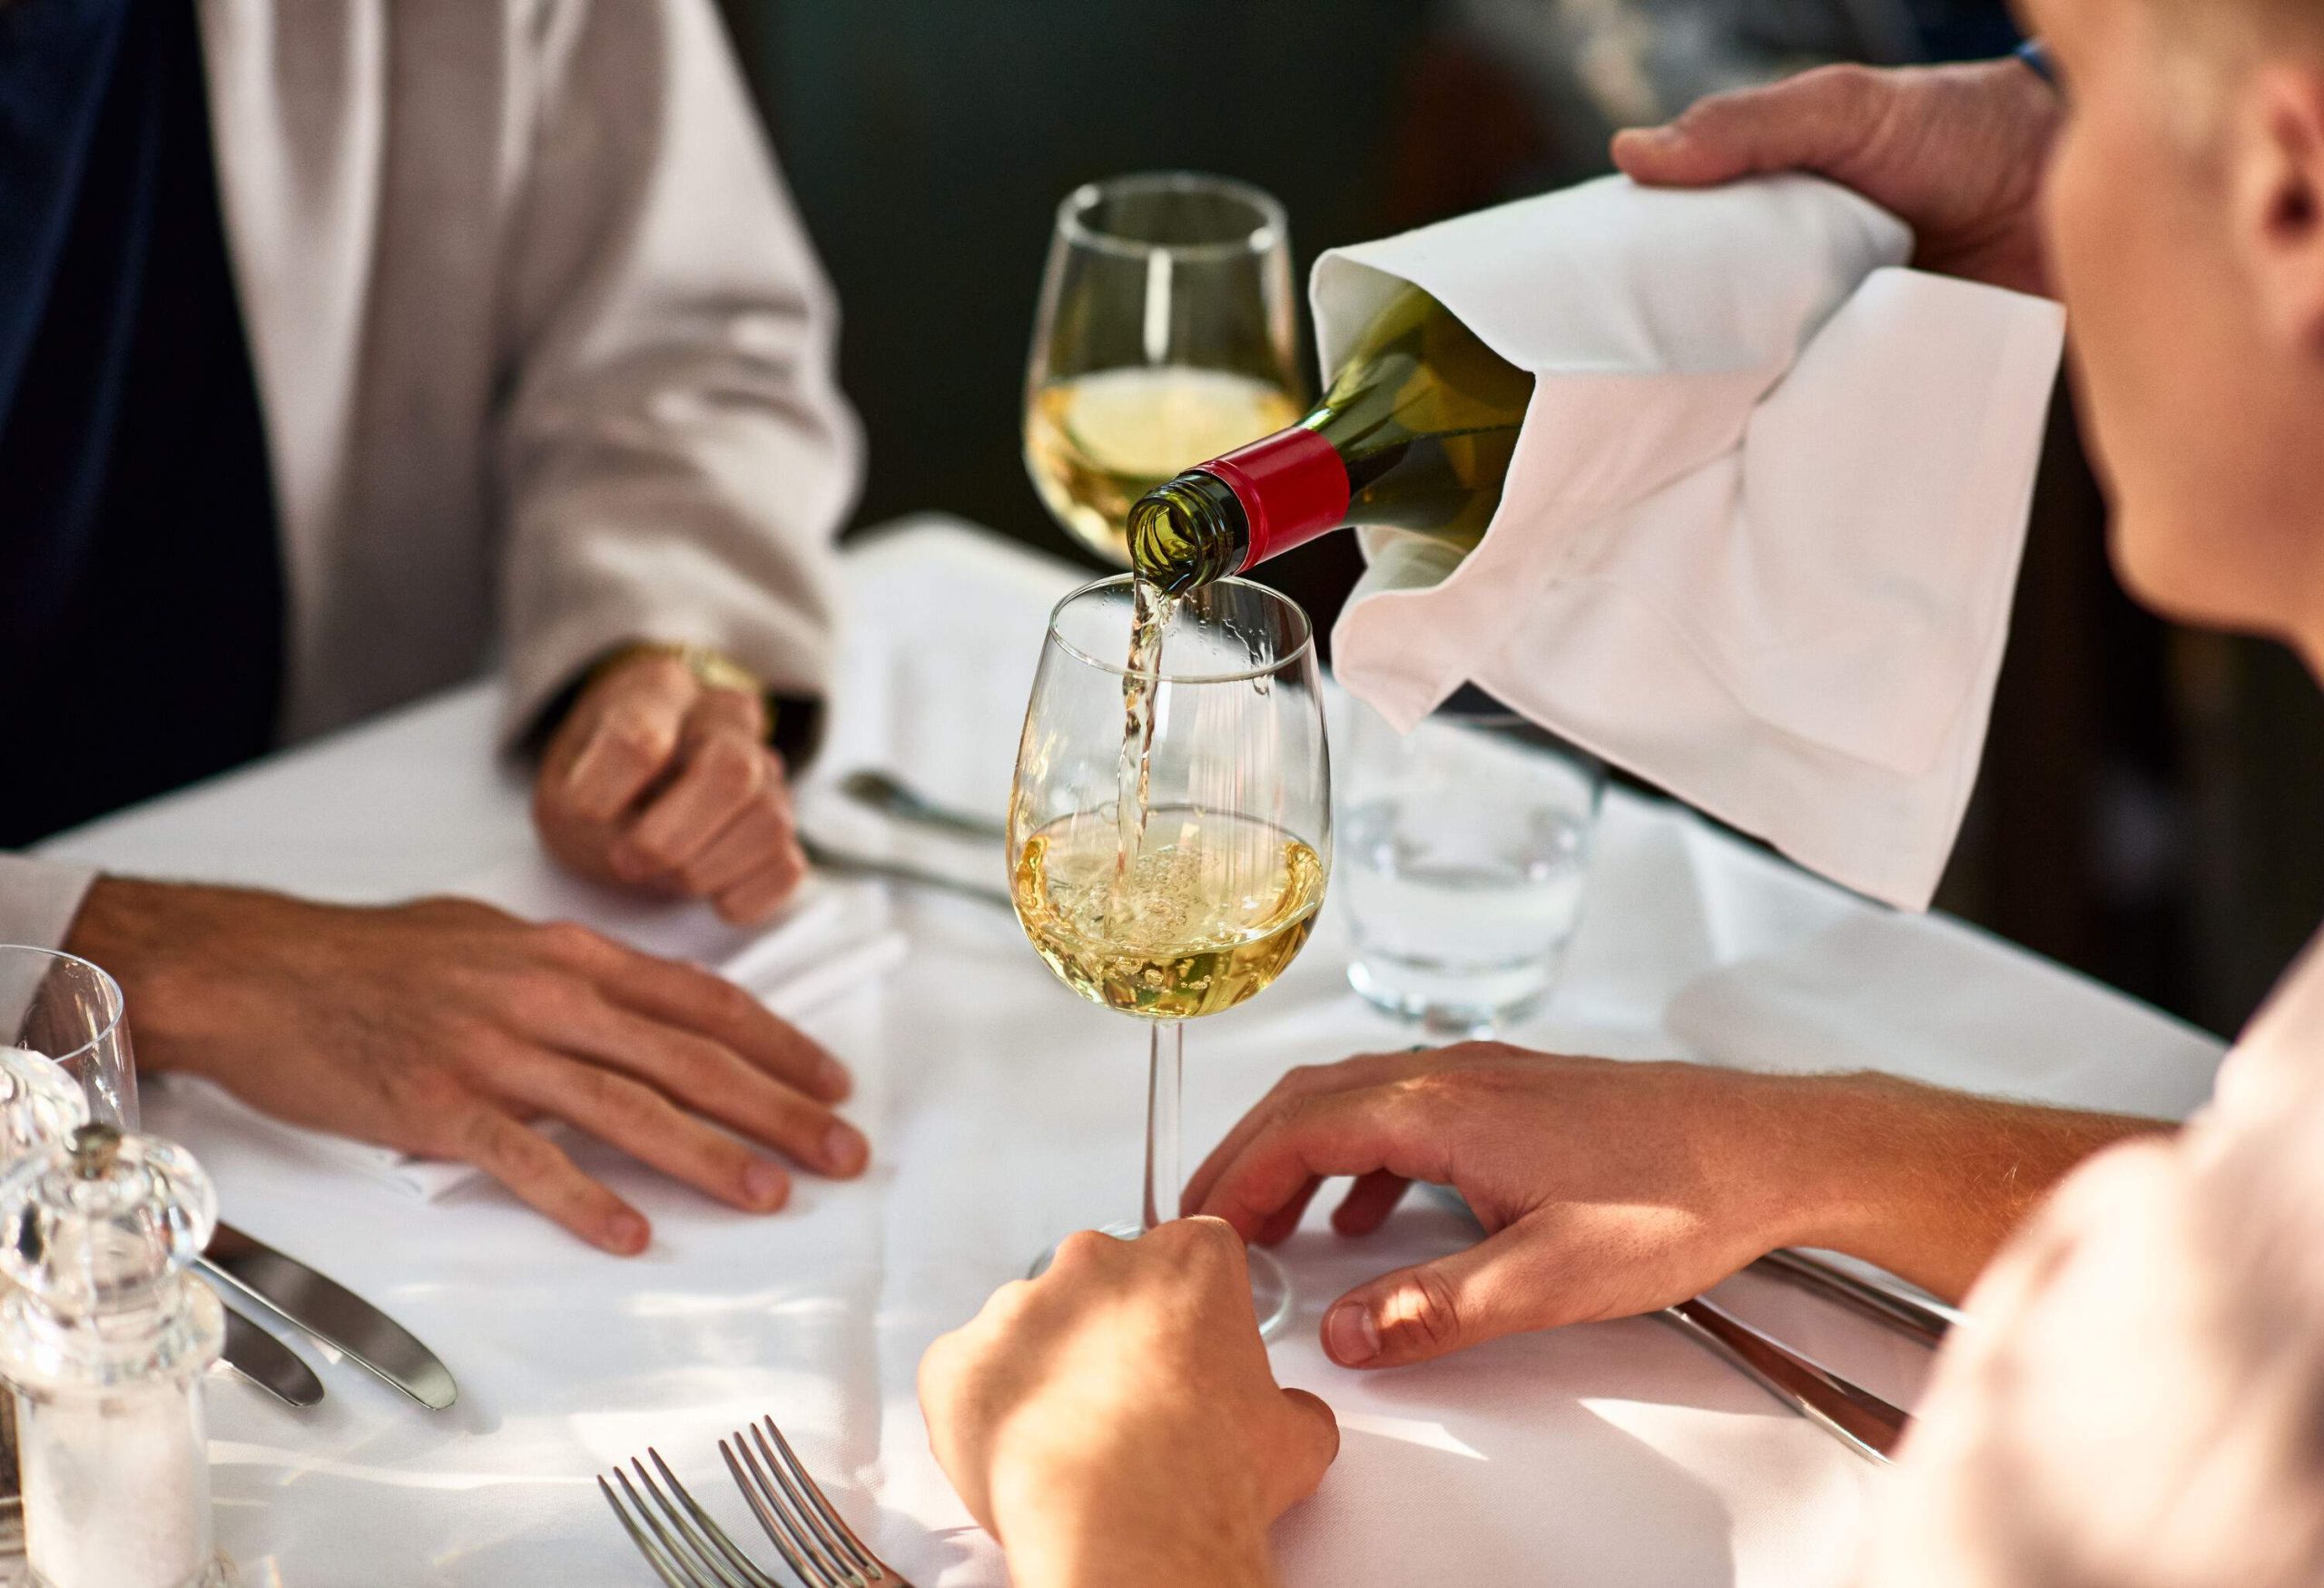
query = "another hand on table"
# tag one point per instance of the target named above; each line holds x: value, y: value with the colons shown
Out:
x: 445, y: 1027
x: 1610, y: 1189
x: 1116, y: 1421
x: 656, y: 780
x: 1956, y: 152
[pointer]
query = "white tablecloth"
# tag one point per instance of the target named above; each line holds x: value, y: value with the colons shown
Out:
x: 1004, y: 1111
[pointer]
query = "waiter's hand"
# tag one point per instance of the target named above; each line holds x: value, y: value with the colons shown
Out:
x: 659, y: 781
x: 446, y: 1028
x: 1956, y: 152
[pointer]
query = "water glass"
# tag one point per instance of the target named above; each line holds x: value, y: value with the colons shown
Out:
x: 70, y: 1010
x: 1464, y: 850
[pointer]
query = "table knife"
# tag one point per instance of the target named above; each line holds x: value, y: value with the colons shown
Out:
x: 258, y: 1357
x: 1882, y: 1304
x: 331, y: 1313
x: 1856, y: 1418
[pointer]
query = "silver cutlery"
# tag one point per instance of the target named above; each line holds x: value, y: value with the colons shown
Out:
x: 1884, y: 1304
x: 258, y: 1359
x: 330, y: 1312
x: 686, y: 1548
x: 1858, y: 1419
x: 840, y: 862
x: 893, y: 796
x: 1854, y: 1416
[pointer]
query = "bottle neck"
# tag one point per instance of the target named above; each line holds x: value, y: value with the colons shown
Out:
x: 1291, y: 486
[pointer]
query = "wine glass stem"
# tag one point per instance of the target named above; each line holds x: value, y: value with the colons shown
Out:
x: 1166, y: 1058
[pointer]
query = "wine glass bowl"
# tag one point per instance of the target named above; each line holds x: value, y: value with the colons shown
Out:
x: 1165, y: 336
x: 1204, y: 901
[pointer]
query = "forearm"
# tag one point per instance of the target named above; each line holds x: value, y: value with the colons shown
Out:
x: 1927, y: 1183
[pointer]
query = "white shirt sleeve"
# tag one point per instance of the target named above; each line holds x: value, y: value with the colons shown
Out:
x: 39, y: 898
x: 2139, y: 1399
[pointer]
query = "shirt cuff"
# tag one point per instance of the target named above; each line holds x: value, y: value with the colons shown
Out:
x: 39, y: 898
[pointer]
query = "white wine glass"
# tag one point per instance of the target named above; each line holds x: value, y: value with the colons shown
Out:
x: 1202, y: 904
x: 1165, y: 337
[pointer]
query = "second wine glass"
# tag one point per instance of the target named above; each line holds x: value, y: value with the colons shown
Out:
x: 1165, y: 337
x: 1179, y: 883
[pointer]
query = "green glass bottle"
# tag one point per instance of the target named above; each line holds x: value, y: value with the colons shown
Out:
x: 1416, y: 432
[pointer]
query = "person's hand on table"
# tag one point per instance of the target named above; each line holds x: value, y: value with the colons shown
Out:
x: 655, y: 779
x: 445, y: 1027
x: 1957, y: 153
x: 1610, y: 1189
x: 1116, y: 1421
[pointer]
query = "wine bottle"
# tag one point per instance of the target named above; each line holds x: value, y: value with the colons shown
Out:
x: 1416, y: 432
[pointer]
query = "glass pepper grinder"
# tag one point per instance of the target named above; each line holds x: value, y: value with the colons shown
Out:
x: 40, y: 1106
x: 105, y: 1340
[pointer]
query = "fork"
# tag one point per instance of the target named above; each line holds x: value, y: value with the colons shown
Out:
x: 694, y: 1552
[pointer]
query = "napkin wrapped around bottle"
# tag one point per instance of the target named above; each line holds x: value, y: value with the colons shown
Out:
x: 1762, y: 526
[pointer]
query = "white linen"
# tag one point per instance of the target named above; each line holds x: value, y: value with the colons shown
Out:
x: 833, y: 938
x: 1002, y: 1112
x: 1762, y: 526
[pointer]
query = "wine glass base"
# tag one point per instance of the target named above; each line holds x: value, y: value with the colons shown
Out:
x: 1270, y: 1285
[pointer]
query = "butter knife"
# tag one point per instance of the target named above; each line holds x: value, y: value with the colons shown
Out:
x: 330, y: 1312
x: 258, y: 1357
x: 1856, y: 1418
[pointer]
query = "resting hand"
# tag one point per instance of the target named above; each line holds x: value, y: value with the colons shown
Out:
x: 1116, y: 1420
x: 443, y: 1028
x: 1611, y: 1189
x: 1956, y: 152
x: 1605, y: 1188
x: 658, y: 781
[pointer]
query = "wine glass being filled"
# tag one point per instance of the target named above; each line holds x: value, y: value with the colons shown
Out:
x: 1165, y: 336
x: 1169, y: 829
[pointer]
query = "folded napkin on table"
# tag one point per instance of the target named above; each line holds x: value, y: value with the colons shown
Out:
x: 1762, y: 526
x: 833, y: 938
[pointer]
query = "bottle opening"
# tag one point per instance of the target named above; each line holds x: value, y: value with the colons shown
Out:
x: 1188, y: 533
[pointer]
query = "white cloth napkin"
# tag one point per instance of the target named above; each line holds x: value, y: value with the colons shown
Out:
x: 834, y: 937
x: 1763, y: 524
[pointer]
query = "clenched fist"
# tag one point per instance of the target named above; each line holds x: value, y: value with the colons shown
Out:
x: 660, y: 781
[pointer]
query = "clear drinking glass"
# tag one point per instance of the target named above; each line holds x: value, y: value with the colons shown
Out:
x: 70, y: 1010
x: 1220, y: 889
x: 1165, y: 337
x: 1467, y: 847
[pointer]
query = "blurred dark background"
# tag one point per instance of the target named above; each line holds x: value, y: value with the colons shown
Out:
x: 2148, y: 809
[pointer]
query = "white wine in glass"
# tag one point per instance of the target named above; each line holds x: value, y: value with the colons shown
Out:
x: 1165, y: 337
x: 1211, y: 910
x: 1169, y: 831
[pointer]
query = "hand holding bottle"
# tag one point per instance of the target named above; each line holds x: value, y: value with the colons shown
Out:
x: 1956, y: 153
